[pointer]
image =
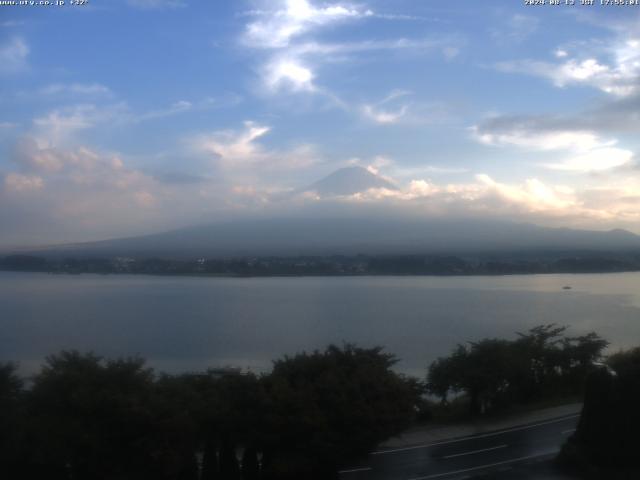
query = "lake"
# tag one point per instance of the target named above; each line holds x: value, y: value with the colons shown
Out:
x: 188, y: 323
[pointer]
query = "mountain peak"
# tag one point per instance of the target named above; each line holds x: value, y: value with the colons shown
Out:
x: 349, y: 181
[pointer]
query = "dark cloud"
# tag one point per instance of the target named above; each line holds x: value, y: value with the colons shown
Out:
x: 613, y: 116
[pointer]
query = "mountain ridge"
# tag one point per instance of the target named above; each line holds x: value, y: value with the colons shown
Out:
x: 348, y: 181
x: 357, y: 229
x: 349, y: 235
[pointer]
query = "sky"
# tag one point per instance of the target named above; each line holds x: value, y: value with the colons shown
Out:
x: 126, y: 117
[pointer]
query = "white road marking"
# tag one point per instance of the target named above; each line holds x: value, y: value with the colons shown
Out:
x: 567, y: 432
x: 489, y: 465
x: 475, y: 451
x: 463, y: 439
x: 354, y: 470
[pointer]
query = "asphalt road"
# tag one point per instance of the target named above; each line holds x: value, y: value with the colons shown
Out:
x: 468, y: 456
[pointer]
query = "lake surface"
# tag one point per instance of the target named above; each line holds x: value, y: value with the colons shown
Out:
x: 183, y: 323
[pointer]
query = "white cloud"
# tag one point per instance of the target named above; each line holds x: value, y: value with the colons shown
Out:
x: 241, y: 150
x: 232, y: 148
x: 596, y: 160
x: 285, y: 72
x: 80, y: 165
x: 91, y: 89
x: 276, y: 28
x: 399, y: 108
x: 384, y: 117
x: 617, y: 72
x: 60, y: 125
x: 532, y: 199
x: 81, y: 193
x: 11, y: 23
x: 175, y: 108
x: 13, y: 56
x: 533, y: 195
x: 540, y: 140
x: 335, y: 50
x: 380, y: 114
x: 450, y: 52
x: 289, y: 67
x: 284, y: 35
x: 582, y: 151
x: 16, y: 182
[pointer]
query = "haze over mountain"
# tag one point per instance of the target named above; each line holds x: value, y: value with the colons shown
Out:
x: 348, y: 181
x: 355, y: 231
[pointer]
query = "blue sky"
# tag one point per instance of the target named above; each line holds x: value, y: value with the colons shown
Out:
x: 126, y: 117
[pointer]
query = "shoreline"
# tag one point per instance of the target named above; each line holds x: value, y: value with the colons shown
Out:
x: 325, y: 275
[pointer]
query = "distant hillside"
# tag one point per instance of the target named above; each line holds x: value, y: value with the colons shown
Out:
x: 349, y: 236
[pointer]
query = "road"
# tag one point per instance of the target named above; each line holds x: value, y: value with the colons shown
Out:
x: 468, y: 456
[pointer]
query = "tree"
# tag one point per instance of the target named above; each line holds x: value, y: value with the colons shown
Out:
x: 445, y: 374
x: 327, y: 406
x: 93, y: 419
x: 495, y: 372
x: 605, y: 444
x: 12, y: 418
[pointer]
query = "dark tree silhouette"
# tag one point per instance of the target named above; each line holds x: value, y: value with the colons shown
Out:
x: 493, y: 373
x: 330, y: 405
x: 605, y: 444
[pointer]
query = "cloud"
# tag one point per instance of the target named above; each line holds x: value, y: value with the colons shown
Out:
x: 235, y: 147
x: 581, y: 151
x: 13, y: 56
x: 84, y: 193
x: 276, y: 28
x: 617, y: 115
x: 384, y: 117
x: 616, y: 73
x: 56, y: 187
x: 76, y: 89
x: 290, y: 73
x: 241, y: 150
x: 81, y: 193
x: 80, y: 165
x: 596, y: 160
x: 516, y: 29
x: 11, y: 23
x: 283, y: 35
x: 399, y: 108
x: 16, y: 182
x: 521, y: 136
x: 483, y: 196
x: 418, y: 44
x: 377, y: 114
x: 61, y: 124
x: 181, y: 106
